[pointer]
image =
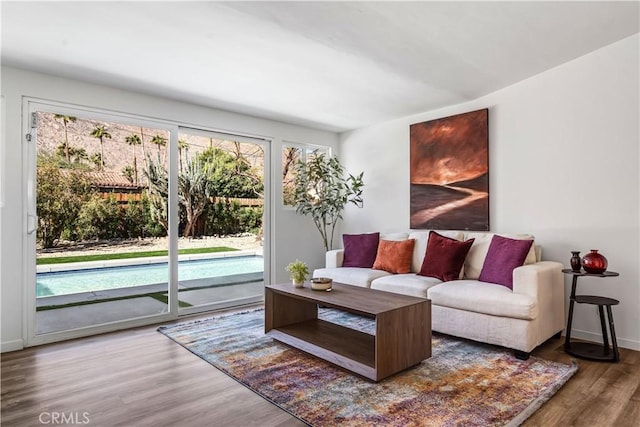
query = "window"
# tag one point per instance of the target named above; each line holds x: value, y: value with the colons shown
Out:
x: 291, y: 155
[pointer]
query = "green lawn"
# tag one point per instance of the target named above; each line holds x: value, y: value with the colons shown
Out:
x: 126, y: 255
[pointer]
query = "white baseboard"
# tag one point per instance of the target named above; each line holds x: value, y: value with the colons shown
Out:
x: 590, y: 336
x: 14, y: 345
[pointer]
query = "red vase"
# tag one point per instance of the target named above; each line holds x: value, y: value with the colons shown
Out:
x: 594, y: 262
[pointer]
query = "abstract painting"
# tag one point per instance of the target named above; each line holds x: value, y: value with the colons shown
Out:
x: 449, y: 173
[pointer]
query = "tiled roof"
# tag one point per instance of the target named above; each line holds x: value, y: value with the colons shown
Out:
x: 107, y: 179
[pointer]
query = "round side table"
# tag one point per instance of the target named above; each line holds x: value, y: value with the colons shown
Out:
x: 588, y: 350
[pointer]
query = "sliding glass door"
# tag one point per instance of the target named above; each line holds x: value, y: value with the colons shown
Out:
x: 220, y: 206
x: 100, y: 237
x: 132, y: 221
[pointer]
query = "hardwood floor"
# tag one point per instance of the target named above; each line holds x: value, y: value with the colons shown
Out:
x: 141, y: 378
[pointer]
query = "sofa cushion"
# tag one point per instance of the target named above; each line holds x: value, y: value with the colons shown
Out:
x: 444, y: 257
x: 478, y: 252
x: 394, y: 257
x: 503, y: 257
x: 420, y: 247
x: 481, y: 297
x: 407, y: 284
x: 360, y: 250
x: 351, y: 275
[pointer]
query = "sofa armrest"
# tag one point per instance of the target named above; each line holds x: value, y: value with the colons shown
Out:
x: 334, y: 258
x: 543, y: 281
x: 540, y: 277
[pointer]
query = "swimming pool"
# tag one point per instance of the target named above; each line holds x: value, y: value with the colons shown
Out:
x: 99, y: 279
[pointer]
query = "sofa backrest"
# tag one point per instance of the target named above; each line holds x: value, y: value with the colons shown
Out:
x: 476, y: 256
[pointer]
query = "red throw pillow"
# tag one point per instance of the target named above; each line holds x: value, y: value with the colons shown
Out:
x: 360, y: 250
x: 444, y: 257
x: 394, y: 257
x: 503, y: 256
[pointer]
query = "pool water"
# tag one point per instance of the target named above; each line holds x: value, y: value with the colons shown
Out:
x: 98, y: 279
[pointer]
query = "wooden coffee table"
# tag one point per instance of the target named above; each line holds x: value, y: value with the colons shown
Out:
x: 403, y: 327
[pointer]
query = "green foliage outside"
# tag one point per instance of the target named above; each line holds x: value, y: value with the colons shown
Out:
x: 223, y: 218
x: 69, y: 208
x: 61, y: 196
x: 204, y: 180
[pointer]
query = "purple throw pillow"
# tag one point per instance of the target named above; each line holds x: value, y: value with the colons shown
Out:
x: 444, y: 257
x: 503, y: 256
x: 360, y: 249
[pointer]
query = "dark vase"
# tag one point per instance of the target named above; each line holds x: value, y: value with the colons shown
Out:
x: 594, y: 262
x: 576, y: 262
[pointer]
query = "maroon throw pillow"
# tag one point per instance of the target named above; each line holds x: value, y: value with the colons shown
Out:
x: 444, y: 257
x: 360, y: 249
x: 503, y: 256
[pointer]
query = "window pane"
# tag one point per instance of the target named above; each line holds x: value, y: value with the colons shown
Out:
x: 220, y: 205
x: 290, y: 156
x: 102, y: 231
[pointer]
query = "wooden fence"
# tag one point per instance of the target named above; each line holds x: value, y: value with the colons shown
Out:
x: 124, y: 197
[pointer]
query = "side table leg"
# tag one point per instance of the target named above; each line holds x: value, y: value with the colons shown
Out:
x: 572, y: 300
x: 614, y: 342
x: 567, y: 338
x: 603, y: 325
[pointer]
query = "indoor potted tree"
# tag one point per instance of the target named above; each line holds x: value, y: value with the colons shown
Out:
x: 298, y: 271
x: 322, y: 192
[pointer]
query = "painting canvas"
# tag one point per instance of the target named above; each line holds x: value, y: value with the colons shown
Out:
x: 450, y: 173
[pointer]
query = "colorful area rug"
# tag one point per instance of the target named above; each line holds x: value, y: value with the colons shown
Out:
x: 464, y: 383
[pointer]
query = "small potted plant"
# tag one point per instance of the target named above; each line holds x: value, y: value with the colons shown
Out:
x: 298, y: 271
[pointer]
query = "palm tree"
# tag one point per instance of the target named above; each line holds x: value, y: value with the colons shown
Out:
x: 182, y: 145
x: 65, y: 120
x: 78, y: 154
x: 127, y: 172
x: 100, y: 132
x: 134, y: 140
x: 160, y: 141
x: 96, y: 159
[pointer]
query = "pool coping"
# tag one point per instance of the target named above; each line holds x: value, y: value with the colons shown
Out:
x: 87, y: 265
x: 140, y: 290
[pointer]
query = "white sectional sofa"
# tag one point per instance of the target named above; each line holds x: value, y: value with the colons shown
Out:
x: 520, y: 319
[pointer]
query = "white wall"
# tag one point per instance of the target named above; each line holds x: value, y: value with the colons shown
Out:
x: 564, y: 163
x: 287, y: 226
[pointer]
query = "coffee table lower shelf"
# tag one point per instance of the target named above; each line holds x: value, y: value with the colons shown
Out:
x: 344, y: 347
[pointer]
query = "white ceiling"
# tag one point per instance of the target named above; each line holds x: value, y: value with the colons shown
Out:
x: 329, y: 65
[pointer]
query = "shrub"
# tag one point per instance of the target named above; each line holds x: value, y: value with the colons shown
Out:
x: 225, y: 217
x: 100, y: 218
x: 60, y: 197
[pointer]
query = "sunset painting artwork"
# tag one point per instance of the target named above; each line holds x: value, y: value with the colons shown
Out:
x: 449, y: 172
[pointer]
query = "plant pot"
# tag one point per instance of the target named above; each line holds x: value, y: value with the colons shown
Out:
x: 297, y: 283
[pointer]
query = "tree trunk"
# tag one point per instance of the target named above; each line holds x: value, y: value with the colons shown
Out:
x: 66, y: 143
x: 135, y: 170
x: 101, y: 155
